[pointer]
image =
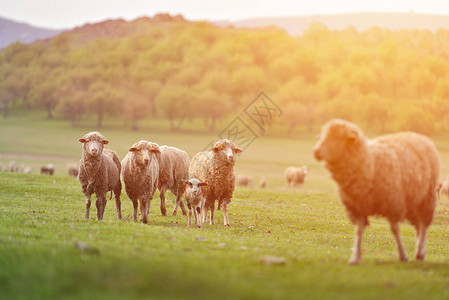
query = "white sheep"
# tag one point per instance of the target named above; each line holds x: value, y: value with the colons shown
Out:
x: 263, y: 183
x: 140, y: 169
x: 195, y: 199
x: 296, y: 176
x: 25, y: 169
x: 443, y: 187
x: 216, y: 168
x: 173, y: 169
x: 394, y: 176
x: 99, y: 173
x: 244, y: 180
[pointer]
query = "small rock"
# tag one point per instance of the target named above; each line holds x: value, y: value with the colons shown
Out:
x: 200, y: 238
x: 273, y: 260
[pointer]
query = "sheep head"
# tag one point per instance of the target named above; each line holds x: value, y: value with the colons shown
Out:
x: 226, y: 149
x: 144, y: 152
x: 195, y: 185
x: 338, y: 138
x: 93, y: 143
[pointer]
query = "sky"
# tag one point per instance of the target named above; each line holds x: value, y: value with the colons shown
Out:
x: 63, y: 14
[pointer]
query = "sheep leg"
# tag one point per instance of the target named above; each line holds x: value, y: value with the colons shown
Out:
x: 225, y: 214
x: 421, y: 233
x: 212, y: 212
x: 143, y: 211
x: 135, y: 209
x: 204, y: 214
x: 197, y: 217
x: 179, y: 204
x: 162, y: 196
x: 190, y: 217
x: 357, y: 248
x: 99, y: 205
x: 88, y: 203
x: 118, y: 206
x: 401, y: 249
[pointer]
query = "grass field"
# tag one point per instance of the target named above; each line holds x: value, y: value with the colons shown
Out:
x: 42, y: 226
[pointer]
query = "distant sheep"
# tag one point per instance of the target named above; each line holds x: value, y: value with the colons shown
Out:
x: 72, y: 170
x: 216, y: 168
x: 394, y: 176
x: 244, y: 180
x: 99, y: 173
x: 296, y: 176
x: 263, y: 183
x: 25, y: 169
x: 140, y: 169
x: 48, y: 169
x: 195, y: 199
x: 13, y: 167
x: 173, y: 169
x: 443, y: 188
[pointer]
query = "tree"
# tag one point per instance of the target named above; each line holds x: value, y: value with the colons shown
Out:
x: 212, y: 106
x: 175, y: 103
x: 44, y: 94
x: 150, y: 89
x: 72, y: 104
x: 103, y: 100
x: 294, y: 115
x: 135, y: 107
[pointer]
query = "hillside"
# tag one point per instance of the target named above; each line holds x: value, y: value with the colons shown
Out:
x: 11, y: 31
x: 361, y: 21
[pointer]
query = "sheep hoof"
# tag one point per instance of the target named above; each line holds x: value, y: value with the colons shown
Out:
x: 419, y: 256
x: 404, y: 259
x: 227, y: 225
x: 354, y: 261
x: 174, y: 213
x: 184, y: 213
x: 199, y: 226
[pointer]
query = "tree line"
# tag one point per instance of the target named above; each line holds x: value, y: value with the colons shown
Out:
x: 176, y: 70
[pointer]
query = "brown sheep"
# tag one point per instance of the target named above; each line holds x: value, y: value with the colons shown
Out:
x: 394, y: 176
x: 244, y: 180
x: 99, y: 173
x: 296, y: 176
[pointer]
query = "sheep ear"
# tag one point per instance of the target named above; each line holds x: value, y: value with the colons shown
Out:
x: 156, y: 150
x: 82, y: 140
x: 202, y: 184
x: 215, y: 149
x: 105, y: 142
x: 353, y: 135
x: 185, y: 181
x: 238, y: 150
x: 132, y: 149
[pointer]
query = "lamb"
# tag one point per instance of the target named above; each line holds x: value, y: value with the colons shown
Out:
x: 99, y: 173
x: 48, y: 169
x: 13, y: 167
x: 72, y: 170
x: 25, y: 169
x: 216, y: 169
x: 195, y: 199
x: 173, y: 169
x: 140, y: 174
x: 296, y: 176
x: 244, y: 180
x: 394, y: 176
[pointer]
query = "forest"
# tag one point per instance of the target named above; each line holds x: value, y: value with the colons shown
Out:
x: 176, y: 70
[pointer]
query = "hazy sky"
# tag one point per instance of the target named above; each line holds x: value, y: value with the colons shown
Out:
x: 66, y: 14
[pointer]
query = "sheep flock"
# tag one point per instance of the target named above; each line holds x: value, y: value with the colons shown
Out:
x: 394, y: 176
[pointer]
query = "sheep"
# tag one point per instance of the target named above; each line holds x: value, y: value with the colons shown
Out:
x: 72, y: 170
x: 443, y: 187
x: 394, y: 176
x: 13, y: 167
x: 296, y: 176
x: 263, y: 183
x: 140, y: 170
x: 26, y: 169
x: 99, y: 173
x: 216, y: 169
x: 244, y: 180
x: 173, y: 169
x: 195, y: 199
x: 48, y: 169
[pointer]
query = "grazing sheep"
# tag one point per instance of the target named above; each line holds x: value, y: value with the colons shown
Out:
x: 99, y: 173
x: 244, y: 180
x: 13, y: 167
x: 263, y: 183
x: 394, y: 176
x: 216, y: 169
x: 443, y: 187
x: 195, y: 199
x: 296, y: 176
x: 141, y: 173
x: 26, y: 169
x: 173, y: 169
x: 48, y: 169
x: 72, y: 170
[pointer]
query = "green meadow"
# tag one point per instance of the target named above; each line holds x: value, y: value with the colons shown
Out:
x: 48, y: 250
